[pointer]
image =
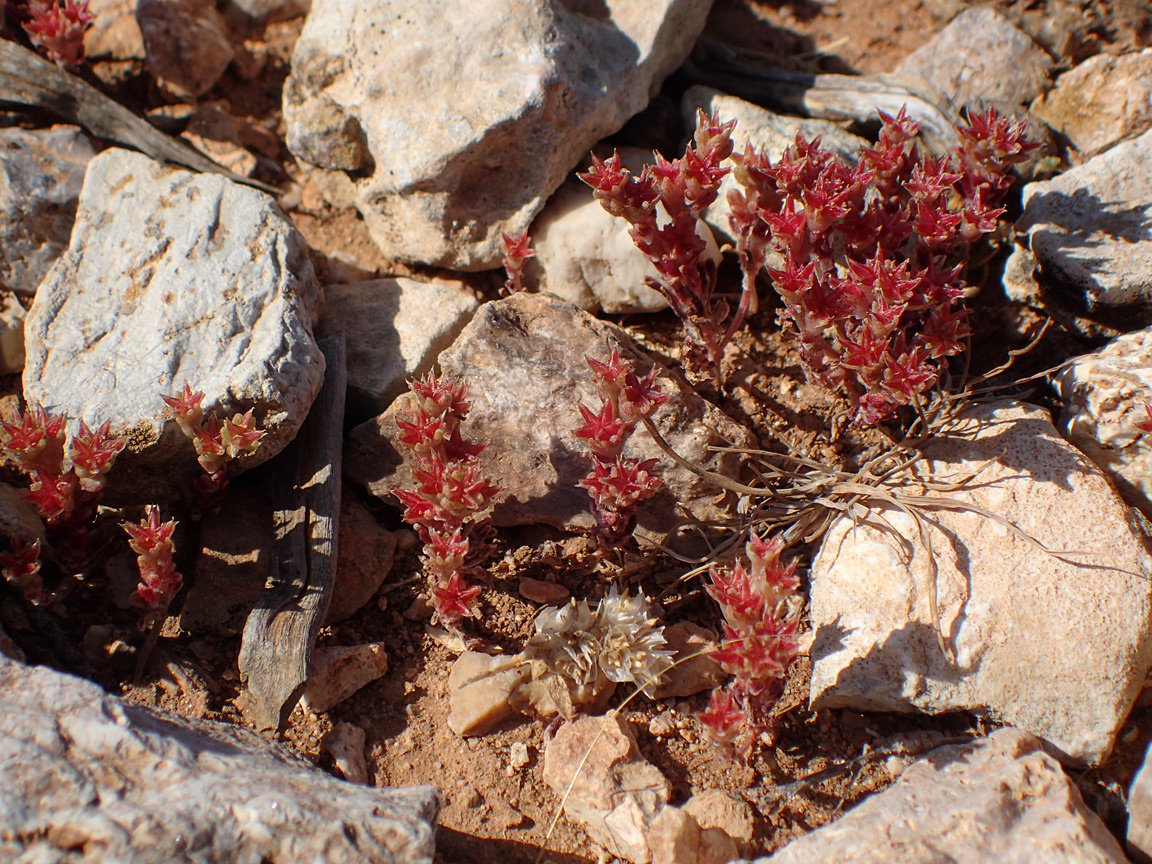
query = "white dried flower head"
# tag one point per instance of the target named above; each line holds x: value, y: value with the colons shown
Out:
x: 618, y: 641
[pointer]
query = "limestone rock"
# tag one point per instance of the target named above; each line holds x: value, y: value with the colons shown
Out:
x: 186, y: 44
x: 1089, y: 232
x: 524, y: 360
x: 1103, y: 100
x: 394, y: 329
x: 41, y: 172
x: 345, y: 744
x: 1058, y: 643
x: 364, y: 558
x: 1104, y: 394
x: 719, y: 808
x: 479, y: 689
x: 172, y: 278
x: 770, y: 133
x: 585, y: 254
x: 81, y: 770
x: 675, y: 837
x: 1001, y: 799
x: 617, y: 794
x: 981, y: 56
x: 377, y: 89
x: 339, y: 672
x: 114, y: 33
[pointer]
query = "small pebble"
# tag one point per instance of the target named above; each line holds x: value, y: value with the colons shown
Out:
x: 662, y: 725
x: 544, y: 593
x: 518, y: 756
x: 895, y: 765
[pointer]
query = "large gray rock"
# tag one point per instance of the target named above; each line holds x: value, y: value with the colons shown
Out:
x: 41, y: 172
x: 455, y: 120
x: 1089, y: 232
x: 394, y: 329
x: 981, y: 56
x: 1057, y: 642
x: 172, y: 278
x: 85, y: 776
x: 1001, y: 799
x: 1100, y: 102
x: 1104, y: 395
x: 524, y: 360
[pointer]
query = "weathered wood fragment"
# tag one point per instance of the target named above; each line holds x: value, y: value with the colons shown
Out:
x: 28, y: 79
x: 276, y: 651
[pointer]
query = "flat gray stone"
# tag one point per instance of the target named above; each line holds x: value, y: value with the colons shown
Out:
x: 524, y: 361
x: 41, y: 172
x: 1058, y: 644
x: 376, y: 91
x: 981, y: 57
x: 82, y: 770
x: 394, y: 329
x: 1001, y: 799
x: 1104, y: 395
x: 1089, y: 230
x: 172, y: 278
x: 1102, y: 101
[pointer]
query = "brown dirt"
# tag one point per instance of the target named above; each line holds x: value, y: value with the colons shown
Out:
x: 492, y: 812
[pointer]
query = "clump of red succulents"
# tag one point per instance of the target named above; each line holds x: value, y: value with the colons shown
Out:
x: 65, y: 482
x: 517, y: 251
x: 151, y: 540
x: 874, y: 253
x: 55, y: 27
x: 21, y: 569
x: 217, y: 443
x: 761, y: 607
x: 451, y: 503
x: 681, y: 189
x: 617, y: 483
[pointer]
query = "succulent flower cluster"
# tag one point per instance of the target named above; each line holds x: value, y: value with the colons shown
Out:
x: 151, y: 540
x: 65, y: 482
x: 21, y: 569
x: 452, y: 500
x: 216, y: 443
x: 682, y: 188
x: 55, y: 27
x: 761, y: 608
x: 874, y: 253
x: 589, y: 651
x: 617, y: 483
x: 517, y: 251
